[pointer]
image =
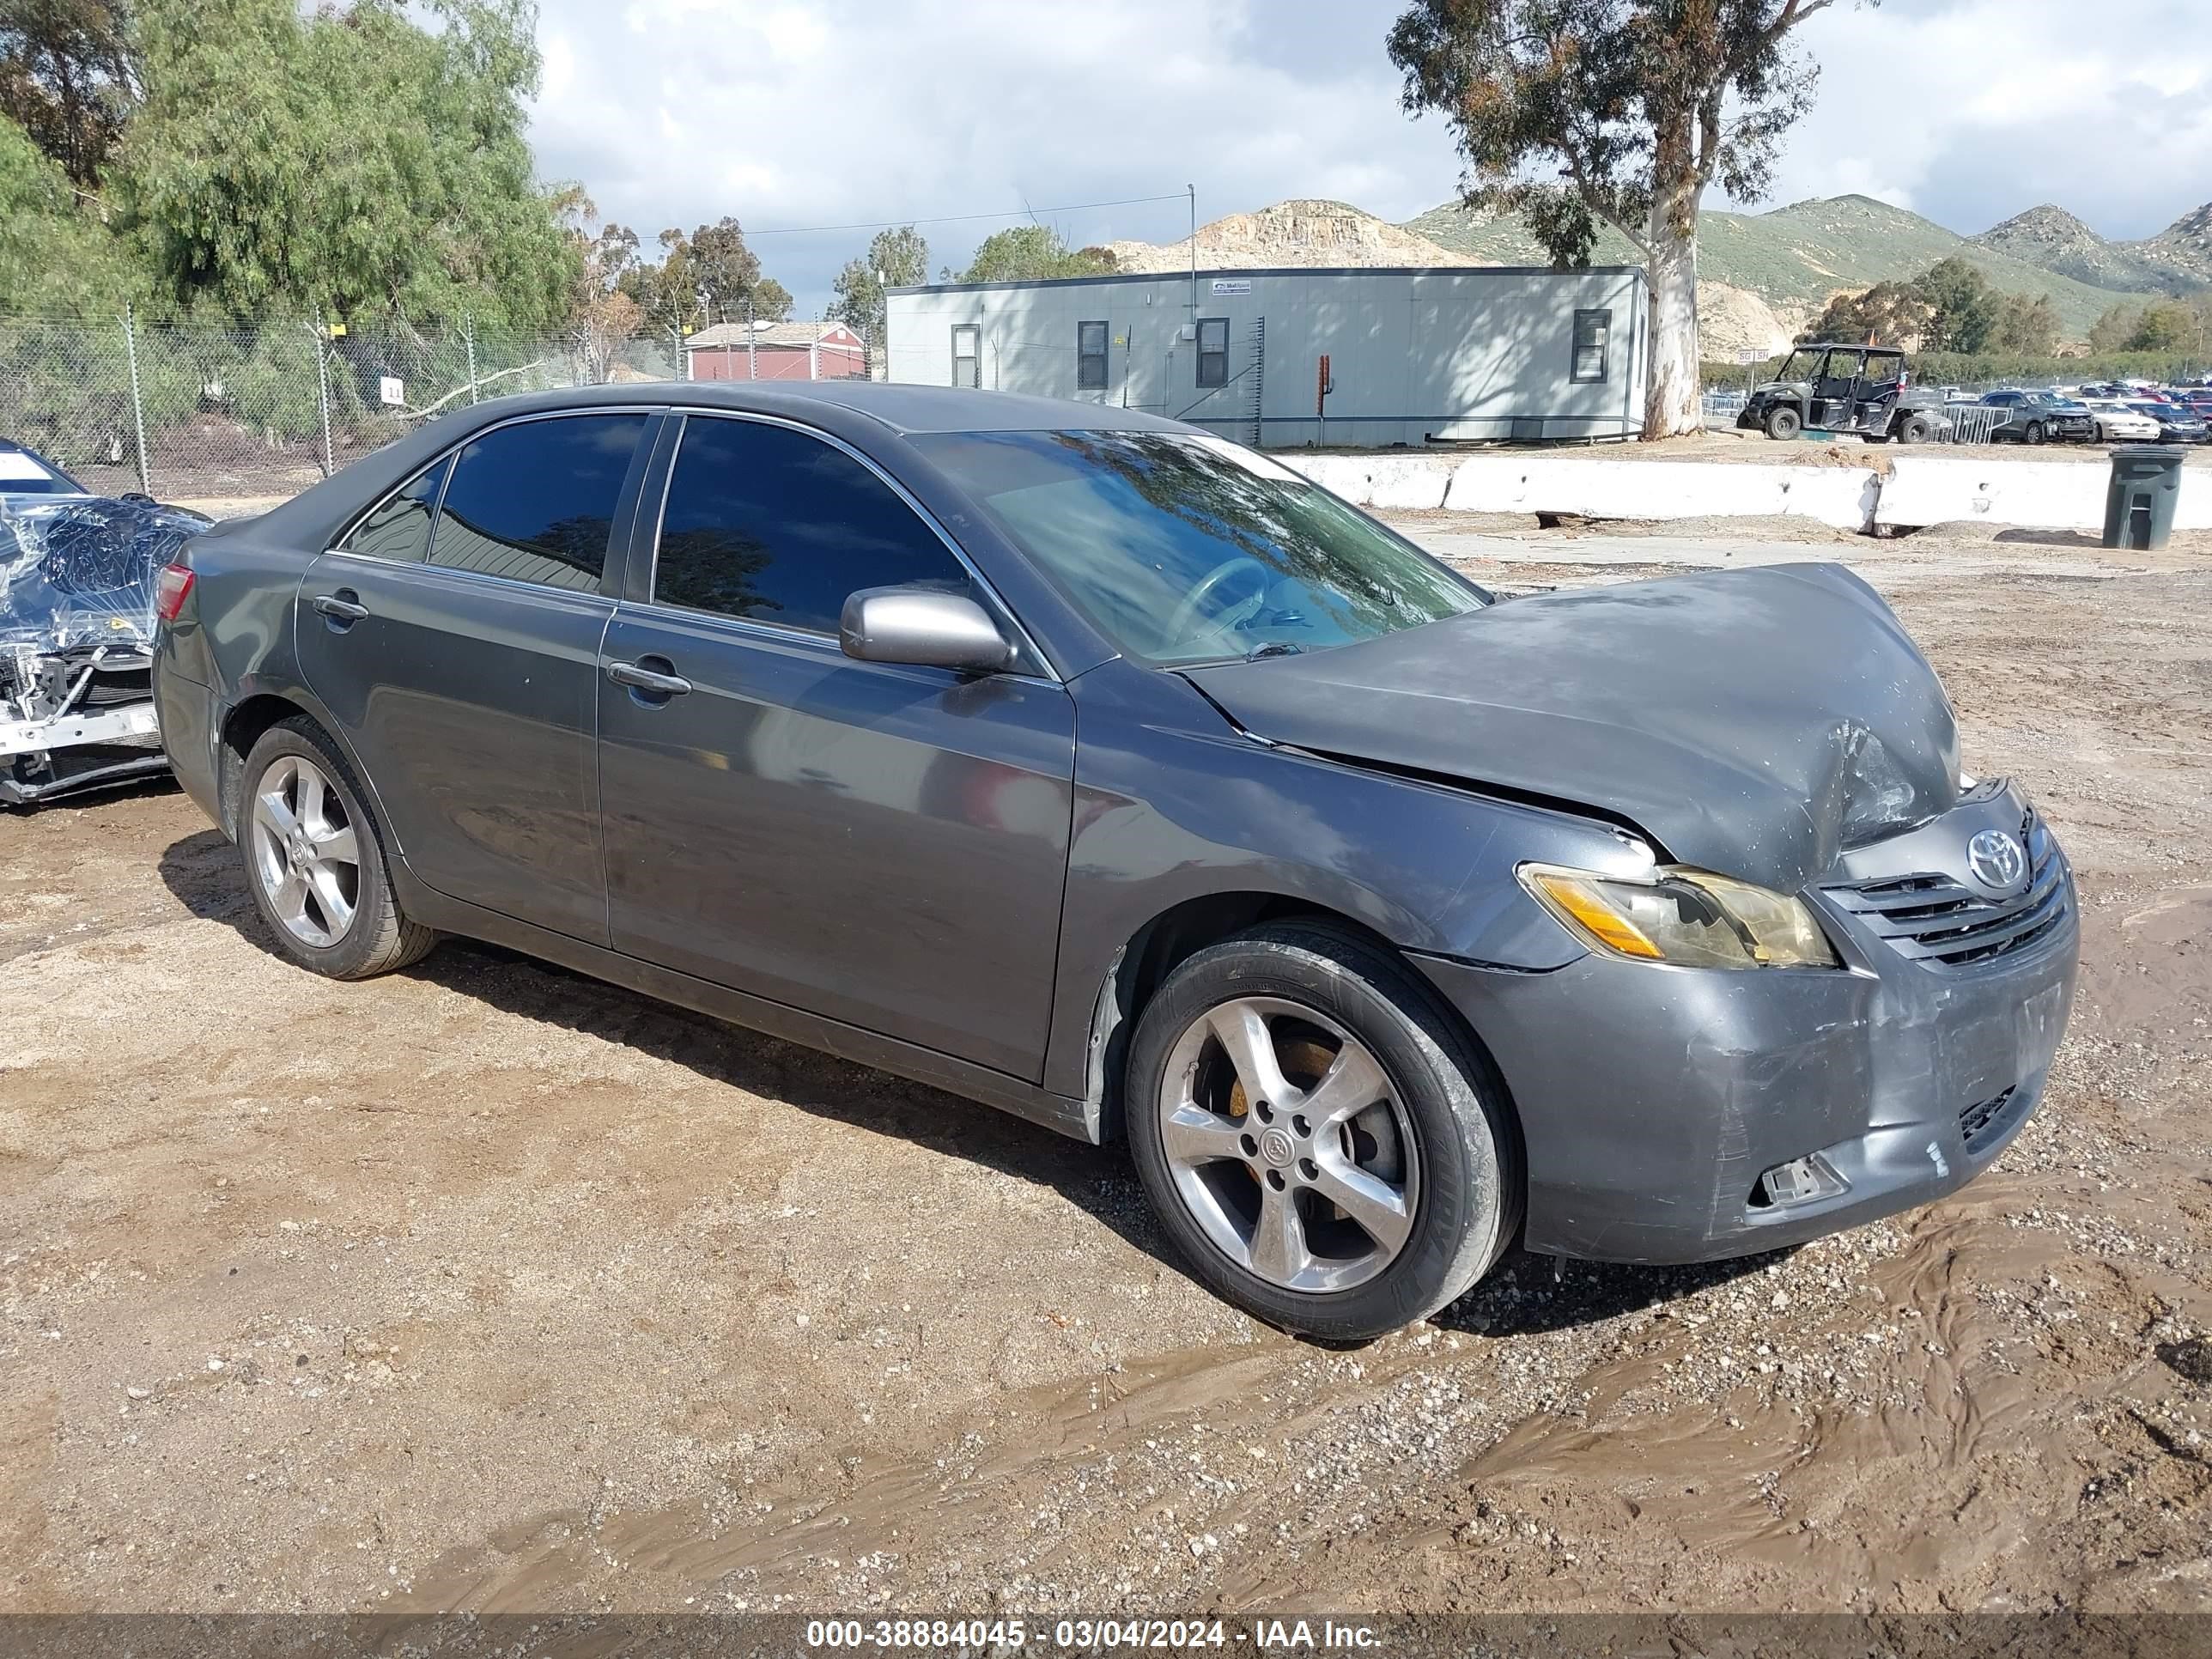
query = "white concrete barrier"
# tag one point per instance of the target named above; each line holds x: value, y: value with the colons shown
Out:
x: 1842, y: 497
x: 2043, y: 495
x: 1399, y: 481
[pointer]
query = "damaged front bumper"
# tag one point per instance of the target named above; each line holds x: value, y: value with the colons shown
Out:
x: 1674, y: 1114
x: 77, y: 625
x: 97, y: 728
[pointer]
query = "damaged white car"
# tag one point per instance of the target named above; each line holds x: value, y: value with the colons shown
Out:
x: 78, y: 574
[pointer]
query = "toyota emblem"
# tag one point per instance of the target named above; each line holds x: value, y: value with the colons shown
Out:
x: 1997, y: 860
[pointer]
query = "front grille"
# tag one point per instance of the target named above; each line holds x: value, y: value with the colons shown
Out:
x: 1986, y: 1120
x: 1937, y: 919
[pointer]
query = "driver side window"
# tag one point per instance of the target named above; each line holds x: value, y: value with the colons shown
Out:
x: 775, y: 526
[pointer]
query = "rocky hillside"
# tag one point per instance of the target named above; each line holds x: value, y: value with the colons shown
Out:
x: 1320, y: 232
x: 1764, y: 275
x: 2172, y: 262
x: 2186, y: 245
x: 1794, y: 256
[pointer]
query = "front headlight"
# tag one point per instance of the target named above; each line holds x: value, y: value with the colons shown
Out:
x: 1689, y: 917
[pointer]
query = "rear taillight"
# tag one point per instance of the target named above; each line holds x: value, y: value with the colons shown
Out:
x: 170, y: 589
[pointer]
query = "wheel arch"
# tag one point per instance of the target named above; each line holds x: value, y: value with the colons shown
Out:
x: 1171, y: 938
x: 243, y: 725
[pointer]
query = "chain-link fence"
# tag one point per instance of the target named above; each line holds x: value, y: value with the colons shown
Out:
x: 218, y: 416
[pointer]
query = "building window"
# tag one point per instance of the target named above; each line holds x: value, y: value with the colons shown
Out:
x: 1593, y: 332
x: 967, y: 354
x: 1213, y: 351
x: 1090, y: 356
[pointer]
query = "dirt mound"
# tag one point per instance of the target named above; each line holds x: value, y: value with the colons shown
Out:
x: 1295, y: 233
x: 1733, y: 319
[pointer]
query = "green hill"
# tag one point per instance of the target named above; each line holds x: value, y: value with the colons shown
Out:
x: 1796, y: 256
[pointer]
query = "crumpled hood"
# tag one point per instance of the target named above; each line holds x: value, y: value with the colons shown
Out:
x: 1753, y: 722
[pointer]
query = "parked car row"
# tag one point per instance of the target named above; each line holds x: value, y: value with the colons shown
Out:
x: 2093, y: 413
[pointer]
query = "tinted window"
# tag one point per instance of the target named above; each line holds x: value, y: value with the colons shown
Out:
x: 771, y: 525
x: 536, y: 502
x: 400, y: 529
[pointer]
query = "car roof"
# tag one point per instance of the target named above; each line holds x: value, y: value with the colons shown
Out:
x: 864, y: 413
x: 898, y: 406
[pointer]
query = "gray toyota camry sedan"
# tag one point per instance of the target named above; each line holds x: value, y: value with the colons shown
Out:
x: 1090, y: 766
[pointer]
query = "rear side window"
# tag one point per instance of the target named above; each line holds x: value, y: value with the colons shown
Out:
x: 774, y: 526
x: 400, y: 529
x: 535, y: 502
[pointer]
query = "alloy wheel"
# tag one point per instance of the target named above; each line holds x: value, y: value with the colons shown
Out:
x: 1288, y: 1144
x: 306, y: 852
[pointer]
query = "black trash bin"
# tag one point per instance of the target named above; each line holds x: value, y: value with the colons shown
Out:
x: 2140, y: 500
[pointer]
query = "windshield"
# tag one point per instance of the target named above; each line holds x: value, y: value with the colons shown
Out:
x: 1183, y: 548
x: 1799, y: 365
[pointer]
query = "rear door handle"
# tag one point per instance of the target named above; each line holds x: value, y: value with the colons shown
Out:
x: 341, y: 606
x: 639, y: 678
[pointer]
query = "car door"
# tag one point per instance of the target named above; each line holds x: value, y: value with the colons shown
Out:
x: 886, y: 846
x: 454, y: 637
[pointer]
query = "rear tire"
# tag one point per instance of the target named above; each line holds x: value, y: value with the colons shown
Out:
x: 315, y: 861
x: 1784, y: 423
x: 1431, y: 1161
x: 1915, y: 429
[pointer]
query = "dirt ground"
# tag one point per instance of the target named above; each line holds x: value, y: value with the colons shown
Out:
x: 486, y: 1286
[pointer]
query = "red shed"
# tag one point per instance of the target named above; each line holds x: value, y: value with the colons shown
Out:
x: 775, y: 351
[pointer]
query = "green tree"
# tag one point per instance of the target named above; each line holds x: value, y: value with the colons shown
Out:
x: 894, y: 259
x: 68, y: 73
x: 1635, y: 106
x: 1962, y: 307
x: 1032, y: 252
x: 1888, y: 313
x: 2113, y: 330
x: 345, y: 163
x: 56, y: 257
x: 771, y: 301
x: 2165, y: 326
x: 708, y: 277
x: 2025, y: 325
x: 602, y: 318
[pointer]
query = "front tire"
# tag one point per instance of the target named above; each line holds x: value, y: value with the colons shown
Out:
x: 1323, y: 1141
x: 1783, y: 421
x: 315, y: 859
x: 2035, y: 434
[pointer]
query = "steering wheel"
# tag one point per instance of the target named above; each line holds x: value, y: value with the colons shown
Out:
x: 1186, y: 613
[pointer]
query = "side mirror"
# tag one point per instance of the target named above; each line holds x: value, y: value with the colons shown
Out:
x: 924, y: 627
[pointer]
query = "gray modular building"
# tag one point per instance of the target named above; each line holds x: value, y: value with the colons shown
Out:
x: 1302, y: 356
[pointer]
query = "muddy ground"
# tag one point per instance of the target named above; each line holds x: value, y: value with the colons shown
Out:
x: 488, y: 1286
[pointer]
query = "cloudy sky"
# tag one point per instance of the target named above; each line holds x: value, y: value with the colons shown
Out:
x: 830, y: 112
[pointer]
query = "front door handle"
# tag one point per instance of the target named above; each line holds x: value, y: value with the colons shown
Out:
x: 341, y: 607
x: 639, y: 678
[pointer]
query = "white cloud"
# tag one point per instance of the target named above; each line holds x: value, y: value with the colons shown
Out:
x: 824, y: 111
x: 1971, y: 111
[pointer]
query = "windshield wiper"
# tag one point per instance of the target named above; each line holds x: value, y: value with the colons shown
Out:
x: 1273, y: 649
